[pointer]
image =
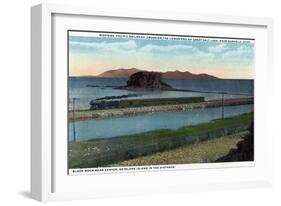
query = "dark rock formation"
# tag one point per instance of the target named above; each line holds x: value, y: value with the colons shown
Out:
x: 244, y: 151
x: 147, y: 80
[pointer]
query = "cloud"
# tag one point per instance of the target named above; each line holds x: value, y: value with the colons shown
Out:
x: 135, y: 51
x: 242, y: 54
x: 130, y: 47
x: 218, y: 48
x: 178, y: 51
x: 167, y: 48
x: 105, y: 46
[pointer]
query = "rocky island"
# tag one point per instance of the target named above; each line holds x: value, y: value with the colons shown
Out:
x: 124, y: 105
x: 145, y: 80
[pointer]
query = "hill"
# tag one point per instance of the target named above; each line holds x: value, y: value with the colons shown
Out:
x: 119, y: 73
x: 126, y: 73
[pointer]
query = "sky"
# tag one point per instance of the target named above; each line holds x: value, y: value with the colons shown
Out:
x: 94, y: 54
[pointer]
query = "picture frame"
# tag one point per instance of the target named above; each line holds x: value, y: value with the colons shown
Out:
x: 50, y: 24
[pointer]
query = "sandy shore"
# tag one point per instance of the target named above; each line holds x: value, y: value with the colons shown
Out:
x: 108, y: 113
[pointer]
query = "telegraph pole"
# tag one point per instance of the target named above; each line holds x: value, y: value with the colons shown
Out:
x: 222, y: 105
x: 73, y: 122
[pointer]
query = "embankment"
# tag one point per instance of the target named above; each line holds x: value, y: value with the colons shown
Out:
x: 202, y: 152
x: 108, y: 113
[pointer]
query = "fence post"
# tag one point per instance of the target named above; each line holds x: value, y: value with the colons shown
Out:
x: 73, y: 122
x: 222, y: 103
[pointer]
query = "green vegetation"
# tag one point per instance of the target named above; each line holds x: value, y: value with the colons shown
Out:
x: 202, y: 152
x: 190, y: 130
x: 159, y: 101
x: 103, y: 152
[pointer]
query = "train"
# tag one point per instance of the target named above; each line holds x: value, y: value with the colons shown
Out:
x: 127, y: 103
x: 96, y: 105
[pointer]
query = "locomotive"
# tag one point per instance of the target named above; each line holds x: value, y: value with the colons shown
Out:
x: 96, y: 105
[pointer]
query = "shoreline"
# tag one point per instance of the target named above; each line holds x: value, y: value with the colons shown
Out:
x: 108, y: 151
x: 83, y: 115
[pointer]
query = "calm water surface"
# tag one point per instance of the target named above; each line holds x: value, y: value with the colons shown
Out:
x: 107, y: 128
x: 78, y: 88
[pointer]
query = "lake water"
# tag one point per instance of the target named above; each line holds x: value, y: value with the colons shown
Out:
x: 78, y: 88
x: 107, y: 128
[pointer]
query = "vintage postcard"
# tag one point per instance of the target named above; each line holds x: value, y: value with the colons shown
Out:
x: 150, y: 101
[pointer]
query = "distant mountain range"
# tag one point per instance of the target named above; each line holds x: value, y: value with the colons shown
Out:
x: 119, y: 73
x: 126, y: 73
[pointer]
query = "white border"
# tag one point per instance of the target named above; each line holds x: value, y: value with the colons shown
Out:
x: 61, y: 24
x: 42, y: 106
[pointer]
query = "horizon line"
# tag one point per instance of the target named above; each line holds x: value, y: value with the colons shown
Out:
x: 218, y: 78
x: 175, y: 70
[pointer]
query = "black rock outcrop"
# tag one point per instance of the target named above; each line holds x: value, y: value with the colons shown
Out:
x: 147, y: 80
x: 244, y: 151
